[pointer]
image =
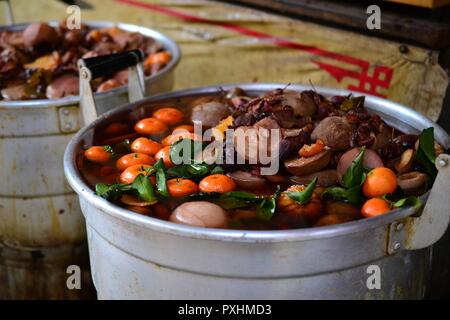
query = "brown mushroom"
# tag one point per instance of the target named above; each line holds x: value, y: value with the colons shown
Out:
x: 247, y: 180
x: 382, y: 138
x: 39, y: 35
x: 335, y: 131
x: 66, y: 85
x: 405, y: 162
x: 200, y: 214
x: 301, y: 166
x: 17, y: 92
x: 302, y: 103
x: 371, y: 160
x: 210, y: 113
x: 412, y: 183
x: 251, y: 143
x: 325, y: 178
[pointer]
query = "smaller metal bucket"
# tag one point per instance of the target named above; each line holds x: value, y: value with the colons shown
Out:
x: 38, y: 210
x: 137, y: 257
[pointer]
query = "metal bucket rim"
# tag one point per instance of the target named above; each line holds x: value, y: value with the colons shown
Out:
x: 167, y: 42
x: 83, y: 190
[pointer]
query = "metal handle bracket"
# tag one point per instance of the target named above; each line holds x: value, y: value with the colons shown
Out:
x: 92, y: 68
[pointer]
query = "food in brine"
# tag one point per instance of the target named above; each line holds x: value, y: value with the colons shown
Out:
x: 337, y: 162
x: 40, y: 62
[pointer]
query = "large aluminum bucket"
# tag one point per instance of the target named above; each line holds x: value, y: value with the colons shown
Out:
x: 38, y: 210
x: 137, y: 257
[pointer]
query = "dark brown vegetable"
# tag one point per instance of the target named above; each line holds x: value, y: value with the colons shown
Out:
x: 342, y: 208
x: 301, y: 166
x: 331, y: 219
x: 371, y: 160
x: 412, y: 183
x: 66, y: 85
x: 382, y: 139
x: 325, y: 178
x: 210, y: 113
x: 335, y: 132
x: 39, y: 35
x: 302, y: 103
x: 17, y: 92
x: 247, y: 180
x: 405, y: 162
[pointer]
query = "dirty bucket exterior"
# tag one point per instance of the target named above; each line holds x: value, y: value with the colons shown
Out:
x: 38, y: 209
x: 137, y: 257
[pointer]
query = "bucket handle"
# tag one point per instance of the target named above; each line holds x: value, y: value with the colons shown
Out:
x: 8, y: 13
x: 95, y: 67
x: 418, y: 232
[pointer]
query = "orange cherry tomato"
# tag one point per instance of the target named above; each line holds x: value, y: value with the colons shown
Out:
x: 146, y: 146
x: 109, y: 174
x: 114, y: 140
x: 150, y: 126
x: 217, y: 183
x: 374, y: 207
x: 174, y: 137
x: 179, y: 187
x: 97, y: 154
x: 379, y: 181
x: 184, y: 127
x: 132, y: 159
x: 107, y: 170
x: 168, y: 115
x: 115, y: 128
x: 130, y: 173
x: 159, y: 57
x: 312, y: 149
x: 164, y: 154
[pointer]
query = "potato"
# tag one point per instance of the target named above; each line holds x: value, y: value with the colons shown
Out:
x: 200, y: 214
x: 335, y: 131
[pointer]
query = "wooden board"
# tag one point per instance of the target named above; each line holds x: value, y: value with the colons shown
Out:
x: 395, y: 23
x: 424, y: 3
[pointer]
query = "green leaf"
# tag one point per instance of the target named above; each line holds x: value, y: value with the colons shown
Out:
x: 425, y: 153
x: 355, y: 173
x: 178, y: 149
x: 352, y: 195
x: 108, y: 148
x: 237, y: 199
x: 123, y: 147
x: 119, y: 149
x: 189, y: 171
x: 266, y: 208
x: 144, y: 188
x: 111, y: 192
x: 241, y: 195
x: 202, y: 196
x: 265, y: 205
x: 217, y: 170
x: 409, y: 201
x: 352, y: 103
x: 161, y: 183
x: 303, y: 197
